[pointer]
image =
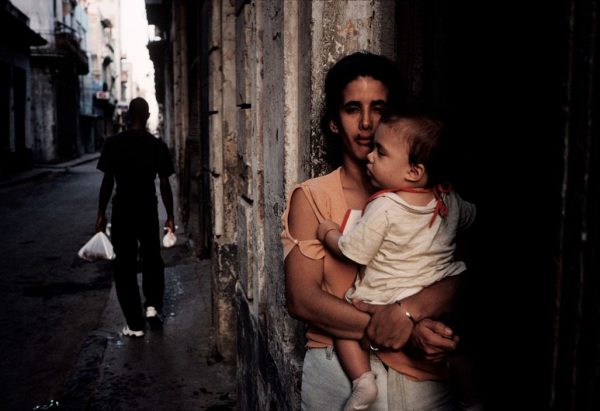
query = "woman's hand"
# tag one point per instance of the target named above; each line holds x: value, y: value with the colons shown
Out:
x: 434, y: 340
x: 389, y: 327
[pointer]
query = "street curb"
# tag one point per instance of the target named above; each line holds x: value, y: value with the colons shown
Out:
x: 86, y: 374
x: 26, y: 176
x: 83, y: 380
x: 42, y: 170
x: 71, y: 163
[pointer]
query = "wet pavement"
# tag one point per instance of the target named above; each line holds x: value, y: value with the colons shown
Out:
x: 172, y: 367
x: 61, y: 321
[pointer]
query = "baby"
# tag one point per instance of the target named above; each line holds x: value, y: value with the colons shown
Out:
x: 405, y: 239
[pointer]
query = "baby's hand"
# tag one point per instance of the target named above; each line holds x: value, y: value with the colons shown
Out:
x: 324, y: 227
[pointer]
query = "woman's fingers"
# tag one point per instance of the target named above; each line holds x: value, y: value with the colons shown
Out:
x: 389, y: 327
x: 434, y: 339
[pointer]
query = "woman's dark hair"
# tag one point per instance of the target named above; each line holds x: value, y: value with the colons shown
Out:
x: 347, y: 69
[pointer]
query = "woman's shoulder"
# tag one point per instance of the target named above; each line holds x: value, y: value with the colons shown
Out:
x: 324, y: 194
x: 326, y: 182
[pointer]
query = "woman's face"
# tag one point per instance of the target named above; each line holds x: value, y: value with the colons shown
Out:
x: 363, y: 101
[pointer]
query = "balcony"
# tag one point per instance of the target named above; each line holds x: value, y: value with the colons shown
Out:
x: 68, y: 44
x: 16, y: 27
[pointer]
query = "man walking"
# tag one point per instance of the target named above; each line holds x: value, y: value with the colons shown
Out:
x: 133, y: 159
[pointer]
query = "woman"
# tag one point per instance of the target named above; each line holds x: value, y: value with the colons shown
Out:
x: 357, y: 90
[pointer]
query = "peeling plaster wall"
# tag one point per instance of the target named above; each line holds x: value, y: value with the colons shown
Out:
x: 223, y: 163
x: 180, y: 119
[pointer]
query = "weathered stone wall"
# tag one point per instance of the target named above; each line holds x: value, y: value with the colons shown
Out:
x: 180, y: 118
x: 223, y: 169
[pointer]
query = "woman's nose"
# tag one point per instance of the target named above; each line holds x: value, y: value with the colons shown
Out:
x: 366, y: 122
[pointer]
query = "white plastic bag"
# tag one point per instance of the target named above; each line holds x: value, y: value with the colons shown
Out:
x: 169, y: 239
x: 98, y: 248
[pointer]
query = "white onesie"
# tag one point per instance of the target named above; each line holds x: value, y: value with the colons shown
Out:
x: 400, y: 253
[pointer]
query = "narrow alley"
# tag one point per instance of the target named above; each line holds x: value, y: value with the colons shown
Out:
x: 65, y: 342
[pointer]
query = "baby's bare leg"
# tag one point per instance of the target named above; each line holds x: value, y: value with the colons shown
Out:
x: 356, y: 364
x: 353, y: 358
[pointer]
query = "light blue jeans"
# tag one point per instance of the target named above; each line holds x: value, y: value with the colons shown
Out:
x: 326, y: 387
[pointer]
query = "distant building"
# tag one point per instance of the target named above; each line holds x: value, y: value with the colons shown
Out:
x: 102, y: 86
x: 15, y: 88
x: 56, y: 67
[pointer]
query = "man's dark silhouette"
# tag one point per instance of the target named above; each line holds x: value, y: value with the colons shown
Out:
x: 133, y: 159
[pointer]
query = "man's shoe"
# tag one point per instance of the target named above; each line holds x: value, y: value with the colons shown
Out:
x: 132, y: 333
x: 153, y: 318
x: 151, y: 312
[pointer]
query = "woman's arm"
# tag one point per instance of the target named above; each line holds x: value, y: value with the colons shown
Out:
x: 391, y: 327
x: 306, y: 300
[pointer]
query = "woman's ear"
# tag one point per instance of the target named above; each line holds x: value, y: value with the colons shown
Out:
x: 333, y: 127
x: 416, y: 173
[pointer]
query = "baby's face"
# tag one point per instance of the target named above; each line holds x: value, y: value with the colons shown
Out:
x: 388, y: 162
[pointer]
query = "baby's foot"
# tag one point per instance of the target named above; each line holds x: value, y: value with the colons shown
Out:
x: 364, y: 393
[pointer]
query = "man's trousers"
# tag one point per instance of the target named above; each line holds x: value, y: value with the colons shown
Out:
x: 135, y: 231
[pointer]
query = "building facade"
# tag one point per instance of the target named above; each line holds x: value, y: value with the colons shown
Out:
x: 103, y: 84
x: 56, y: 67
x: 15, y: 88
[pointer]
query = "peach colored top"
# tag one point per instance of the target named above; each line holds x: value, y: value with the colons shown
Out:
x: 326, y: 198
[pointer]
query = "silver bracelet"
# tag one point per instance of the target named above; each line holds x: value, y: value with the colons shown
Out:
x: 411, y: 318
x: 408, y: 314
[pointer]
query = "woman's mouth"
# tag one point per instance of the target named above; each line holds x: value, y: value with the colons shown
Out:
x: 364, y: 141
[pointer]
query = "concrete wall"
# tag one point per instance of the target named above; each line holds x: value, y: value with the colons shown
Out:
x: 267, y: 64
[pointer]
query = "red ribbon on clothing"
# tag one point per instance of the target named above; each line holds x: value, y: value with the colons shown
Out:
x: 441, y: 208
